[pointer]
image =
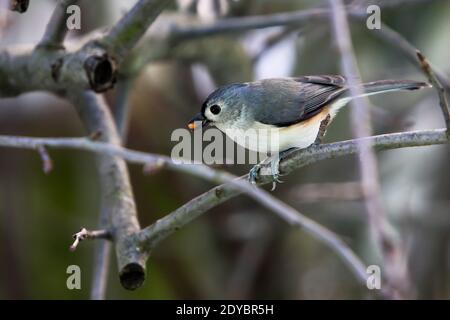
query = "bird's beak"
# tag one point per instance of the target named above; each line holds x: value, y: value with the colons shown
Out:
x: 194, y: 122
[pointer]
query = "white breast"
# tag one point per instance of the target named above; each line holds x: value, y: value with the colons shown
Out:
x: 265, y: 138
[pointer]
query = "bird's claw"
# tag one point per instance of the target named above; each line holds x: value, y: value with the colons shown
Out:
x: 274, y: 172
x: 254, y: 173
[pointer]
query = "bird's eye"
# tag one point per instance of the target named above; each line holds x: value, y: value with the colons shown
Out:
x: 215, y: 109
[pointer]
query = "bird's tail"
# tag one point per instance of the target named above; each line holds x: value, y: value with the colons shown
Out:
x: 392, y: 85
x: 381, y: 86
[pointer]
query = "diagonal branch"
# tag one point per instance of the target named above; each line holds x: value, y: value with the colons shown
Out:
x: 127, y: 32
x: 292, y: 161
x: 441, y: 90
x: 149, y: 237
x: 56, y: 29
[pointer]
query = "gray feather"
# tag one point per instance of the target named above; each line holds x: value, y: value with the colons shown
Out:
x: 283, y: 102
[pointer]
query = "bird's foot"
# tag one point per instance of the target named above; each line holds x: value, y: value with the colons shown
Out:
x: 254, y: 173
x: 274, y: 171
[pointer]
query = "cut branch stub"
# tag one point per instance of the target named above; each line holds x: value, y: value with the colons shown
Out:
x: 131, y: 261
x: 101, y: 72
x: 19, y: 5
x: 132, y: 276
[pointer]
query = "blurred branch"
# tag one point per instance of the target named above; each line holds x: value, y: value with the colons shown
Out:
x: 233, y: 25
x: 56, y: 29
x: 102, y: 258
x: 443, y: 101
x: 388, y: 246
x: 179, y: 33
x: 19, y: 5
x: 403, y: 46
x: 328, y: 191
x: 122, y: 106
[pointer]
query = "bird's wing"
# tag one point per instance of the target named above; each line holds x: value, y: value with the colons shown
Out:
x: 299, y: 98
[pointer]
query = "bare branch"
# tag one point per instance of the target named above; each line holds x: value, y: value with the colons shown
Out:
x: 102, y: 255
x: 297, y: 19
x: 403, y: 46
x: 117, y: 195
x: 289, y: 163
x: 152, y: 235
x: 94, y: 66
x: 56, y: 71
x: 122, y: 107
x: 327, y: 192
x: 85, y: 234
x: 443, y: 100
x: 233, y: 25
x: 56, y: 28
x: 127, y: 32
x: 101, y: 263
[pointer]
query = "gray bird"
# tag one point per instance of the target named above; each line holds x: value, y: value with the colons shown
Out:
x: 279, y: 114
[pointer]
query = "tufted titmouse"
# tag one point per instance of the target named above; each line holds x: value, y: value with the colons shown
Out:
x: 294, y: 110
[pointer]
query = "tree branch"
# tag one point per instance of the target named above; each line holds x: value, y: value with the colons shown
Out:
x: 442, y: 94
x: 94, y: 66
x: 117, y: 195
x: 146, y: 239
x: 297, y: 18
x: 127, y: 32
x: 56, y: 29
x: 290, y: 162
x: 85, y: 234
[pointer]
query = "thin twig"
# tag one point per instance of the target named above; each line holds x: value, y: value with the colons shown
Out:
x: 56, y: 29
x: 442, y: 93
x: 102, y: 259
x: 85, y: 234
x: 327, y: 192
x: 402, y: 45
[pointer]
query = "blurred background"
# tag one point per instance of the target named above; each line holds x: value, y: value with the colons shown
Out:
x: 238, y: 249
